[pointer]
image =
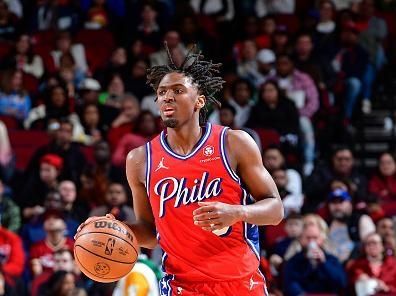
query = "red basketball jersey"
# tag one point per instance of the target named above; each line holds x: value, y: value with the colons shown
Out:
x: 175, y: 183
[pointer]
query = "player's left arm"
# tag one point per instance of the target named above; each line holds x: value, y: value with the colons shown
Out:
x: 245, y: 158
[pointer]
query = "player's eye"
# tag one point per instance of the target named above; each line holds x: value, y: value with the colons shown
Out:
x: 161, y: 92
x: 178, y: 91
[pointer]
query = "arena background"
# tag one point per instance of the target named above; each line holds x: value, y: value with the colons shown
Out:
x: 313, y: 82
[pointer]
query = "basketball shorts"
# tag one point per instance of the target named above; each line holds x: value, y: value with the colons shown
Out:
x: 253, y: 285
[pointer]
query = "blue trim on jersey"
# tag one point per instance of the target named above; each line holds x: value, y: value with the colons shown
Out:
x: 165, y: 288
x: 148, y: 167
x: 250, y: 231
x: 224, y: 157
x: 265, y: 282
x: 199, y: 145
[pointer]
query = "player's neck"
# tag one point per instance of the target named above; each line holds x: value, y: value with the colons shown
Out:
x: 183, y: 140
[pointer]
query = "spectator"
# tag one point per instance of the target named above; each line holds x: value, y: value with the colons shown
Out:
x: 281, y: 41
x: 9, y: 212
x: 125, y: 121
x: 148, y: 30
x: 292, y: 203
x: 64, y: 46
x: 137, y: 79
x: 14, y: 100
x: 42, y: 252
x: 374, y: 267
x: 293, y: 227
x: 12, y: 262
x: 383, y: 183
x: 242, y: 101
x: 307, y: 62
x: 62, y: 145
x: 7, y: 165
x: 273, y: 159
x: 89, y: 94
x: 325, y: 37
x: 275, y: 111
x: 96, y: 178
x: 8, y: 22
x: 176, y: 49
x: 372, y: 37
x: 386, y: 230
x: 246, y: 60
x: 118, y: 64
x: 116, y: 204
x: 265, y: 66
x: 300, y: 88
x: 313, y: 270
x: 70, y: 73
x: 72, y: 207
x: 63, y: 261
x: 351, y: 64
x: 114, y: 93
x: 93, y: 131
x: 276, y: 6
x: 57, y: 106
x: 33, y: 230
x: 62, y: 283
x: 144, y: 131
x: 23, y: 58
x: 36, y: 191
x: 341, y: 167
x: 346, y: 227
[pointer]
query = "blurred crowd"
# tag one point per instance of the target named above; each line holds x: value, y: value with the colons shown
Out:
x: 299, y: 75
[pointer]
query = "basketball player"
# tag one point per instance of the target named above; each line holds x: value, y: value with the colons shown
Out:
x: 188, y: 194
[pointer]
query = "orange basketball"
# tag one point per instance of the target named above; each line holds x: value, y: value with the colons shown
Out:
x: 105, y: 250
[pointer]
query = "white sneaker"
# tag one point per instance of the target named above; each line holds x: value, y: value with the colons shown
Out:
x: 307, y: 169
x: 388, y: 123
x: 366, y: 106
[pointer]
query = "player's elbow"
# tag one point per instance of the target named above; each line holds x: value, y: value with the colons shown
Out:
x: 278, y: 213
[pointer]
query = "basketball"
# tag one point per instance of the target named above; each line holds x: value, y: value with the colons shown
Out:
x: 105, y: 250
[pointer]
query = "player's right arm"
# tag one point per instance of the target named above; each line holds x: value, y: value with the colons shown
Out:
x: 144, y: 227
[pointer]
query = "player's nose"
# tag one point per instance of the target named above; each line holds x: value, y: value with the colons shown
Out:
x: 169, y: 96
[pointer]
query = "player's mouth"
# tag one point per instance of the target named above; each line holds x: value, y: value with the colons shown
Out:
x: 168, y: 111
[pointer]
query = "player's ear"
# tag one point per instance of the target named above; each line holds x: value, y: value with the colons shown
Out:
x: 200, y: 102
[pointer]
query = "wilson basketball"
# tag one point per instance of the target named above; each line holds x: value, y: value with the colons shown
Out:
x: 105, y: 250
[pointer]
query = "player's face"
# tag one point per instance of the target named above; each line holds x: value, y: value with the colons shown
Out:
x: 178, y: 99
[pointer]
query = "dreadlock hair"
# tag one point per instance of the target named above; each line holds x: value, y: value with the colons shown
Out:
x: 203, y: 74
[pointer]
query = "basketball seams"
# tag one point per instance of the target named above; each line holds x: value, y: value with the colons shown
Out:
x: 85, y: 271
x: 99, y: 232
x: 106, y: 258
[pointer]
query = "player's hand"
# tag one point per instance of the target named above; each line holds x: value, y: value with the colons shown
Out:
x: 216, y: 215
x: 91, y: 219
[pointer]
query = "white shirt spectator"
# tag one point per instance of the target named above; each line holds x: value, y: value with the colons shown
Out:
x: 78, y: 53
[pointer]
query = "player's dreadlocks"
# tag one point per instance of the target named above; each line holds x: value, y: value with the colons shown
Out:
x: 203, y: 74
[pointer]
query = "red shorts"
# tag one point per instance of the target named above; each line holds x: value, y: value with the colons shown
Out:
x: 253, y: 285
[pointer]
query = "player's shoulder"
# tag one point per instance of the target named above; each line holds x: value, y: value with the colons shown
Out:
x: 236, y: 136
x: 137, y: 157
x: 240, y: 144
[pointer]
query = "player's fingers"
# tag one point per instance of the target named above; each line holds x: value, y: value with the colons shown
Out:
x: 208, y: 223
x: 89, y: 220
x: 213, y: 226
x: 206, y: 216
x: 110, y: 216
x: 204, y: 209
